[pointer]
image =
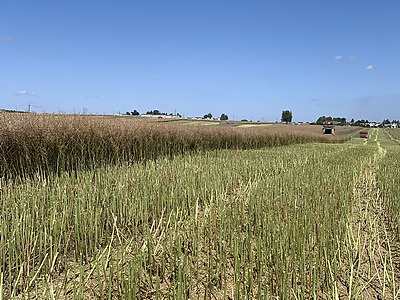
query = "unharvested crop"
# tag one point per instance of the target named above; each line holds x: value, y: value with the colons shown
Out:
x: 33, y: 144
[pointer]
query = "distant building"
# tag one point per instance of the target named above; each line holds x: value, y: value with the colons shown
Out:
x: 373, y: 124
x: 161, y: 116
x: 390, y: 125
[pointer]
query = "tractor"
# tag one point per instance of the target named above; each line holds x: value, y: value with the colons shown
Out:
x: 364, y: 134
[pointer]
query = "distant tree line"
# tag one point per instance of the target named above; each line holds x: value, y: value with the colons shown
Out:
x: 209, y: 116
x: 337, y: 120
x: 361, y: 122
x: 366, y: 123
x: 155, y: 112
x: 133, y: 113
x: 150, y: 112
x: 387, y: 122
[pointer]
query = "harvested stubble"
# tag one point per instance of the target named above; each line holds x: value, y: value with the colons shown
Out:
x: 248, y: 224
x: 389, y: 181
x: 33, y: 144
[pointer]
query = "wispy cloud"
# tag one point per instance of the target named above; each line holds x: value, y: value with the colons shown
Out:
x: 352, y: 57
x: 340, y: 57
x: 319, y: 101
x: 369, y: 68
x: 24, y: 93
x: 152, y: 79
x: 5, y: 37
x: 376, y: 107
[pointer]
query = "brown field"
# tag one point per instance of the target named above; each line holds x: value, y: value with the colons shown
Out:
x: 42, y: 143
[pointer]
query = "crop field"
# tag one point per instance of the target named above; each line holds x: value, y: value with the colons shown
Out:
x: 113, y: 208
x: 40, y: 144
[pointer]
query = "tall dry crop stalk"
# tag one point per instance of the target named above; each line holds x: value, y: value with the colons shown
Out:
x: 33, y: 144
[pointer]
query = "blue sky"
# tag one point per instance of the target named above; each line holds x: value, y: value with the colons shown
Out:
x: 248, y: 59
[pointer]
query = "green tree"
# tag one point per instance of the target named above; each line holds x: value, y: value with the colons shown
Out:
x: 286, y: 116
x: 321, y: 120
x: 155, y: 112
x: 337, y: 120
x: 340, y: 121
x: 135, y: 113
x: 223, y: 117
x: 207, y: 116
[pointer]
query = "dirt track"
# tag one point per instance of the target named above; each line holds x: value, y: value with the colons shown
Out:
x: 371, y: 260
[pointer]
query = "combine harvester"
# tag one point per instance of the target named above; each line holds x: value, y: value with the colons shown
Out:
x: 328, y: 127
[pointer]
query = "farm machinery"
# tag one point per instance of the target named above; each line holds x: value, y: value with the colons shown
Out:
x: 364, y: 134
x: 328, y: 127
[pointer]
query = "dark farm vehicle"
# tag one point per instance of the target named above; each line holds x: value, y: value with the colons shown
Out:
x: 328, y: 127
x: 364, y: 134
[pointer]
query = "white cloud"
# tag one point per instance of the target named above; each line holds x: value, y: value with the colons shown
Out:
x: 370, y: 67
x: 5, y: 37
x: 340, y: 57
x: 24, y: 93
